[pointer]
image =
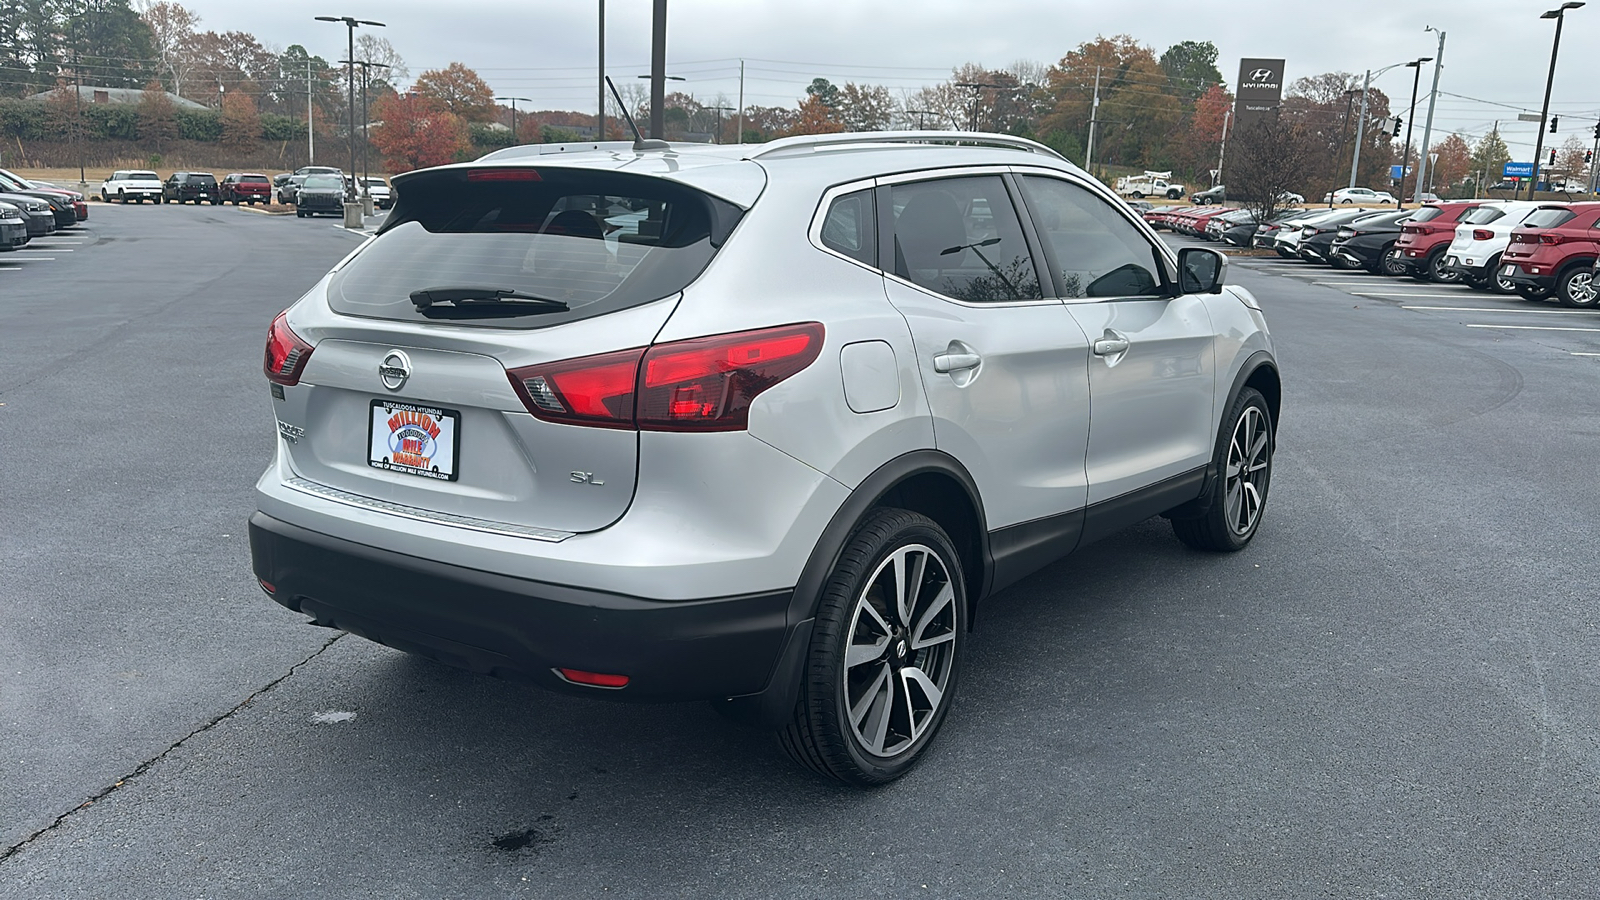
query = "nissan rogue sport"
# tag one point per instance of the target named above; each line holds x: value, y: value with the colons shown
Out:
x: 761, y: 425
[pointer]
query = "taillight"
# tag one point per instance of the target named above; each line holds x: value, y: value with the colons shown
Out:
x: 503, y: 175
x: 707, y: 384
x: 1482, y: 234
x: 702, y: 384
x: 590, y: 390
x: 1551, y: 239
x: 286, y: 353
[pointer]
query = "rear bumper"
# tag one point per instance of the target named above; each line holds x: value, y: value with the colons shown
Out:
x: 523, y: 629
x: 1520, y: 276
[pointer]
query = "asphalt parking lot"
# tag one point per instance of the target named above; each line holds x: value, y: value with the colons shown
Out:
x: 1390, y: 693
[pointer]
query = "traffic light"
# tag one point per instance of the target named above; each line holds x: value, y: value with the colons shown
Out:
x: 1597, y: 131
x: 1552, y: 156
x: 1553, y: 121
x: 1588, y: 156
x: 1398, y: 125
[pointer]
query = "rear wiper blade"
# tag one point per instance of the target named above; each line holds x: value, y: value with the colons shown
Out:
x: 427, y: 297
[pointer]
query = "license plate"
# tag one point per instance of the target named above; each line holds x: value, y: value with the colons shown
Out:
x: 414, y: 439
x: 1452, y: 261
x: 1508, y: 271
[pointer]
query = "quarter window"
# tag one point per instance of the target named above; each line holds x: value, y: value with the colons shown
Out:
x: 1097, y: 252
x: 849, y: 227
x: 961, y: 237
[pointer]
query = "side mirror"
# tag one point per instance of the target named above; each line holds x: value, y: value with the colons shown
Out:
x: 1201, y: 270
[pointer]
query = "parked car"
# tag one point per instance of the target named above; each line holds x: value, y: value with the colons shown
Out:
x: 603, y: 469
x: 37, y: 213
x: 382, y: 197
x: 1480, y: 239
x: 1217, y: 228
x: 1211, y: 195
x: 1368, y: 243
x: 1426, y: 236
x: 320, y: 193
x: 1554, y: 252
x: 13, y: 226
x: 63, y: 204
x: 1316, y: 233
x: 1423, y: 198
x: 191, y: 187
x: 1358, y: 195
x: 280, y: 186
x: 1267, y: 232
x: 137, y: 185
x: 246, y: 187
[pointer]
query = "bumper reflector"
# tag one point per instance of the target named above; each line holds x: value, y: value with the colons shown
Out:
x: 593, y: 679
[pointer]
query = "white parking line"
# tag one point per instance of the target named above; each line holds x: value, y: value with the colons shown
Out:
x: 1534, y: 328
x: 30, y: 259
x: 1576, y: 353
x: 1455, y: 296
x: 1512, y: 309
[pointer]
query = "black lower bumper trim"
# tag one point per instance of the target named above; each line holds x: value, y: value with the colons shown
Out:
x: 521, y: 629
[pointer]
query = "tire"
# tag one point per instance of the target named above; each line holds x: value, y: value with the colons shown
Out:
x: 1346, y: 202
x: 1576, y: 289
x: 1243, y: 461
x: 1173, y: 195
x: 300, y: 214
x: 1285, y: 253
x: 1533, y: 294
x: 1138, y: 195
x: 864, y: 653
x: 1477, y: 284
x: 1437, y: 273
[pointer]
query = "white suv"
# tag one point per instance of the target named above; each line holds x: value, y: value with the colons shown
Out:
x: 1481, y: 237
x: 761, y: 425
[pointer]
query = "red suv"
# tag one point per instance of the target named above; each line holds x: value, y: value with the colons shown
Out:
x: 247, y: 187
x: 1427, y: 235
x: 1554, y: 251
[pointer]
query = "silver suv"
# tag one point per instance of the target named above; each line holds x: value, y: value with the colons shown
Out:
x: 762, y: 425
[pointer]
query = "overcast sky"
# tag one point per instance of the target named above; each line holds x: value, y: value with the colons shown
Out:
x: 1498, y: 51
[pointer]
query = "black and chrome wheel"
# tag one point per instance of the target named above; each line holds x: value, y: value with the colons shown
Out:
x: 1393, y: 264
x: 885, y: 652
x: 1227, y: 518
x: 1438, y: 273
x: 1577, y: 289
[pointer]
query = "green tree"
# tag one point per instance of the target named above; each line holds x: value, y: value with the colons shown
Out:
x: 825, y: 92
x: 109, y: 41
x: 1191, y: 67
x: 1490, y: 157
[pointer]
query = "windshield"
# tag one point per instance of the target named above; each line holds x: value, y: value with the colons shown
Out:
x: 324, y: 182
x: 598, y: 241
x: 1549, y: 218
x: 1482, y: 215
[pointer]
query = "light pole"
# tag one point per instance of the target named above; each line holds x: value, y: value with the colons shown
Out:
x: 658, y: 86
x: 351, y: 23
x: 1361, y: 123
x: 719, y: 110
x: 1560, y: 15
x: 366, y: 77
x: 514, y: 114
x: 922, y: 123
x: 1424, y: 179
x: 1411, y: 120
x: 977, y: 94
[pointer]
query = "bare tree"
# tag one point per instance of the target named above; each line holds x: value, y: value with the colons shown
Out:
x: 1269, y: 161
x: 374, y: 49
x: 172, y: 28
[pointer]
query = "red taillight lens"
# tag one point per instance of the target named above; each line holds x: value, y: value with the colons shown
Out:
x: 594, y: 679
x: 703, y: 384
x: 706, y: 384
x: 1551, y: 239
x: 504, y: 175
x: 286, y: 355
x: 1482, y: 234
x: 590, y: 390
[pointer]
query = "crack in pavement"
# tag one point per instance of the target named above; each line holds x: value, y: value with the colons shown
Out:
x: 145, y: 766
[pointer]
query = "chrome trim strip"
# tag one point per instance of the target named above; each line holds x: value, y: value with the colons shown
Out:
x: 422, y: 515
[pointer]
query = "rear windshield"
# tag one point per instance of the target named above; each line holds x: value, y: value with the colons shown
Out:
x: 143, y: 176
x: 597, y: 241
x: 203, y: 176
x: 1549, y: 218
x: 1483, y: 215
x: 254, y: 179
x: 1426, y: 213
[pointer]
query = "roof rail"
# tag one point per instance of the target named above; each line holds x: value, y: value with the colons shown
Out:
x: 813, y: 142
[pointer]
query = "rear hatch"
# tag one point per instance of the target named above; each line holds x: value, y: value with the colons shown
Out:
x: 1540, y: 235
x: 411, y: 401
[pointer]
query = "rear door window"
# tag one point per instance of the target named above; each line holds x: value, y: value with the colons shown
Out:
x: 961, y: 237
x: 595, y: 241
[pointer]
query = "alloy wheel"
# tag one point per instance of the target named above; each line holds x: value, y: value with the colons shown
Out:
x: 1244, y: 489
x: 900, y: 651
x: 1440, y: 273
x: 1580, y: 289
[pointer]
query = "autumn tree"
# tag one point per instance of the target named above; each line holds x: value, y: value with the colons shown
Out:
x: 815, y: 118
x: 417, y: 131
x: 461, y: 91
x: 865, y: 108
x: 1203, y: 144
x: 1451, y: 164
x: 1270, y: 162
x: 1138, y: 114
x: 1569, y: 159
x: 158, y: 121
x: 241, y: 125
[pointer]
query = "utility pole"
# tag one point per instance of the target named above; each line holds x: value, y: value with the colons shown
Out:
x: 741, y: 103
x: 1223, y: 154
x: 514, y: 114
x: 1427, y: 130
x: 658, y: 70
x: 1411, y: 120
x: 719, y: 110
x: 1094, y: 119
x: 600, y: 117
x: 311, y: 131
x: 1361, y: 128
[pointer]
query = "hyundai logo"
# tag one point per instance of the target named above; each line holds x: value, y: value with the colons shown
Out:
x: 1261, y: 75
x: 394, y: 370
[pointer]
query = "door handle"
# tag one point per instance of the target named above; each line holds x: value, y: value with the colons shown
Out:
x: 956, y: 362
x: 1110, y: 346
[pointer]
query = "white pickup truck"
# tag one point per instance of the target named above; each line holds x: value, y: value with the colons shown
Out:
x: 1150, y: 184
x: 137, y: 185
